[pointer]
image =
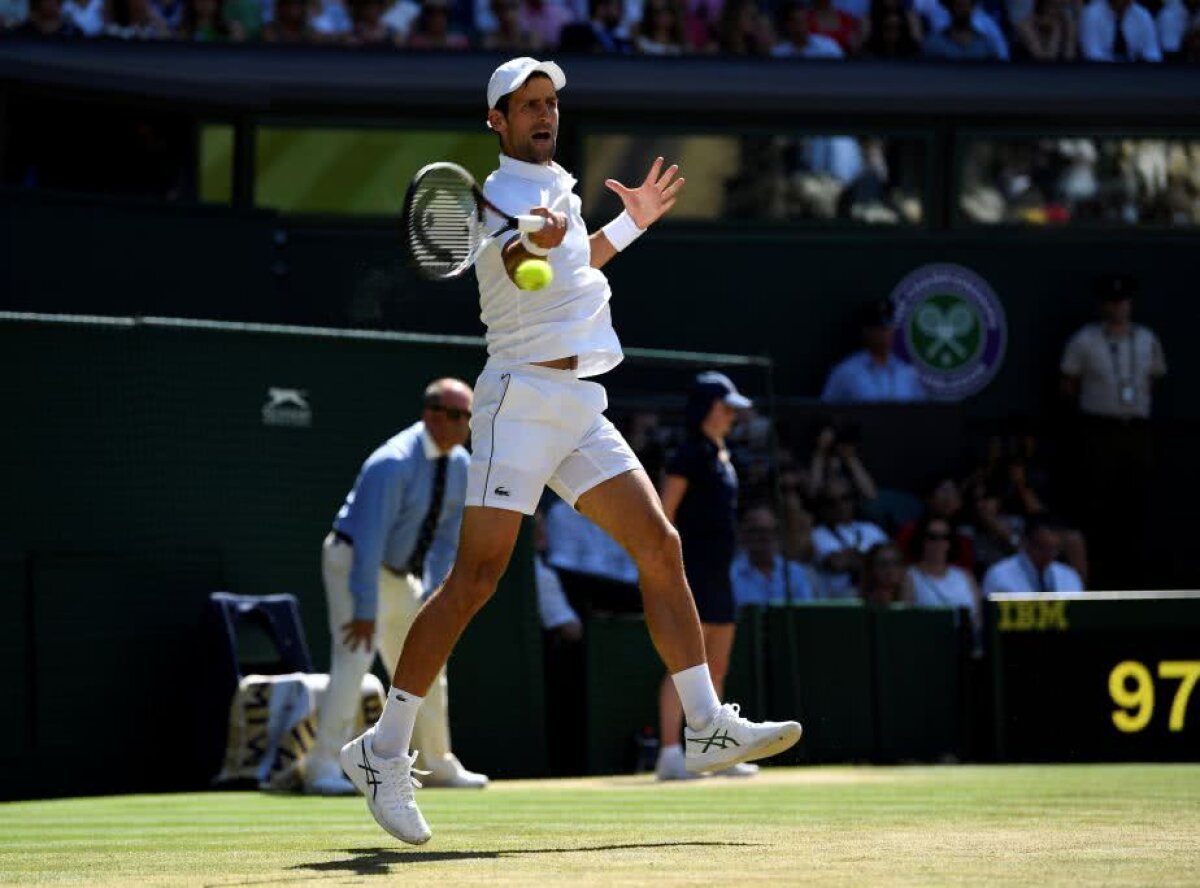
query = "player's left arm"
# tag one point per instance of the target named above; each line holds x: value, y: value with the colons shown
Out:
x: 644, y: 206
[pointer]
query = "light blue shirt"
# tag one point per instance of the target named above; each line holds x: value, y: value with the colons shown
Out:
x: 859, y: 378
x: 750, y: 586
x: 384, y: 512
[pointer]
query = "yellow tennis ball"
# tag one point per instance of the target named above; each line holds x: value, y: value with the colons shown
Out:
x: 533, y: 274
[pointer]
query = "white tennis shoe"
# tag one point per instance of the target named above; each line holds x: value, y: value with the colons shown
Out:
x: 388, y: 785
x: 730, y: 739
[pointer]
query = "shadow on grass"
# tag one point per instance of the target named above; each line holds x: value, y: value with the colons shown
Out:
x: 376, y: 861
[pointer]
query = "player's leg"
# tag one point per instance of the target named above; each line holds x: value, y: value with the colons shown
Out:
x: 335, y: 718
x: 431, y: 733
x: 378, y: 761
x: 604, y: 481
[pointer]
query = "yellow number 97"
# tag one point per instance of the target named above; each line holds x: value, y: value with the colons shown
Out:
x: 1139, y: 698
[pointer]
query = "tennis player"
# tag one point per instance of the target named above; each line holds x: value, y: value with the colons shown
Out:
x: 539, y: 422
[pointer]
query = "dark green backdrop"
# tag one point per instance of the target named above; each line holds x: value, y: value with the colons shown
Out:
x: 138, y: 477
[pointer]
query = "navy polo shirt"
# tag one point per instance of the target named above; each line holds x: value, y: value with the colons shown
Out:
x: 706, y: 519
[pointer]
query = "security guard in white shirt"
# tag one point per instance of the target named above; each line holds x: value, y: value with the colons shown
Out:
x: 537, y: 423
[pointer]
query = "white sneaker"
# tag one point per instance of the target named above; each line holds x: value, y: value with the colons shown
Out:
x: 670, y: 765
x: 324, y: 777
x: 742, y: 769
x: 450, y: 774
x: 730, y: 739
x: 387, y: 784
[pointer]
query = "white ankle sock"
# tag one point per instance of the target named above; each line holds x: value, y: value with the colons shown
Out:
x: 394, y: 730
x: 697, y: 694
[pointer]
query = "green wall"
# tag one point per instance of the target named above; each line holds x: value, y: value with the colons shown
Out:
x: 140, y: 476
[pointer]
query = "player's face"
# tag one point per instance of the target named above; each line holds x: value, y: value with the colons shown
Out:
x: 529, y: 131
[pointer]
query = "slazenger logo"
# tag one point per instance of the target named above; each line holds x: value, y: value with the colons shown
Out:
x: 287, y: 407
x: 952, y: 329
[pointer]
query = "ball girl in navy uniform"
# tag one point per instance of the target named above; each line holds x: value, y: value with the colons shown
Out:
x: 700, y: 498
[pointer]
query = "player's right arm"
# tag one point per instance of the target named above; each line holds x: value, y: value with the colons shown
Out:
x: 514, y: 252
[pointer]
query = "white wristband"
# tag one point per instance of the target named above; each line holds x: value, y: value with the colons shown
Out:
x: 622, y: 231
x: 531, y: 247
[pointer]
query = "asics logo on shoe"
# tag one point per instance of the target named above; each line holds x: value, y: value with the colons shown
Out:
x: 372, y: 773
x: 721, y: 741
x: 501, y: 491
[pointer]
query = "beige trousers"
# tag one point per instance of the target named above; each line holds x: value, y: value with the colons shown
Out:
x: 399, y: 601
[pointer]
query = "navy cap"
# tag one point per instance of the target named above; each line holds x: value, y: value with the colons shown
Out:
x: 718, y: 385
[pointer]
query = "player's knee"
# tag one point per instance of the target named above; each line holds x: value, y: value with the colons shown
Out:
x: 475, y: 582
x: 659, y: 552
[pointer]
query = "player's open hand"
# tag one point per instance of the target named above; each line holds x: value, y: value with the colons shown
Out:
x: 358, y: 632
x: 553, y: 231
x: 651, y: 200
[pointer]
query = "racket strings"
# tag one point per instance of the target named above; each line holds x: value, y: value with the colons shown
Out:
x: 444, y: 223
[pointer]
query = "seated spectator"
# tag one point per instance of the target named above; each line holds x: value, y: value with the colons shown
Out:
x: 1035, y: 568
x: 939, y: 14
x: 367, y: 26
x: 825, y: 19
x: 758, y: 570
x: 993, y: 534
x: 46, y: 20
x: 86, y: 15
x: 510, y: 33
x: 247, y: 16
x: 599, y: 34
x: 543, y: 20
x: 1101, y: 40
x: 401, y: 16
x: 874, y: 373
x: 134, y: 20
x: 942, y: 501
x: 798, y: 40
x: 1172, y: 23
x: 14, y: 13
x: 291, y: 23
x: 660, y: 31
x: 1048, y: 34
x: 891, y: 31
x: 961, y: 39
x: 884, y: 579
x: 554, y: 610
x: 935, y: 581
x: 334, y: 20
x: 700, y: 19
x: 836, y: 456
x: 743, y: 30
x: 432, y: 30
x: 839, y: 541
x: 204, y: 23
x: 171, y: 12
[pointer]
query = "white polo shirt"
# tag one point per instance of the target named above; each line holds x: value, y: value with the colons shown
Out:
x: 570, y: 316
x: 1106, y: 366
x: 1018, y: 574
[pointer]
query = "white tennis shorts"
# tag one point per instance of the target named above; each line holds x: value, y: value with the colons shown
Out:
x: 534, y: 427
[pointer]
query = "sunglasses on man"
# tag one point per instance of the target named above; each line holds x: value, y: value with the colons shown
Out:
x: 452, y: 413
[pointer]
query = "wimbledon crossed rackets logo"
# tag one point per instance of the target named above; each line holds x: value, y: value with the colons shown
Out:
x: 952, y: 329
x: 945, y: 331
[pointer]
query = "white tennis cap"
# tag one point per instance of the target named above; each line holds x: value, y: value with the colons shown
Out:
x: 509, y: 77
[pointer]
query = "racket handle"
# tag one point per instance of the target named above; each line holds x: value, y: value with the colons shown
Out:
x: 531, y: 224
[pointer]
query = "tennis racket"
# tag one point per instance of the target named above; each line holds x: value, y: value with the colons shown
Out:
x: 445, y: 221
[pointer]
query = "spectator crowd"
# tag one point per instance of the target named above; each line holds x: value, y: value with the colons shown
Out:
x: 964, y: 30
x: 816, y: 524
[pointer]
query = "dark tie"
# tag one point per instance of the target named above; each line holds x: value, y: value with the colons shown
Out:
x: 416, y: 564
x: 1120, y: 47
